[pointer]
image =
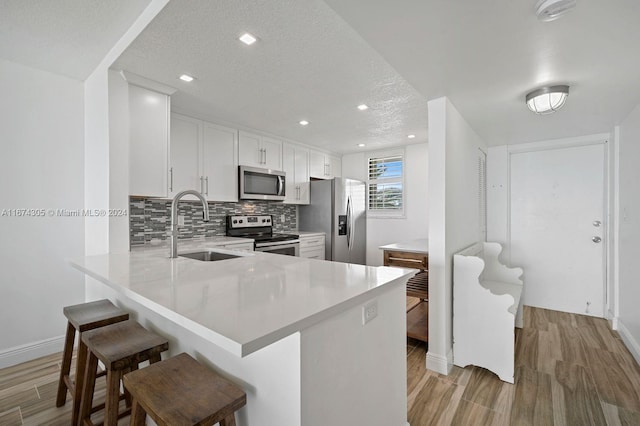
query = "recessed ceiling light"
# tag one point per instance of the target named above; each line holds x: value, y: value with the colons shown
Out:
x: 361, y: 145
x: 411, y: 136
x: 187, y: 78
x: 247, y: 39
x: 362, y: 107
x: 304, y: 122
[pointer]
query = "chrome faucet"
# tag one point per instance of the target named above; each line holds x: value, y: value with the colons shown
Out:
x: 173, y: 253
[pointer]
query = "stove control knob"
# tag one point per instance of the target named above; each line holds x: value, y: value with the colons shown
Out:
x: 268, y: 220
x: 235, y: 221
x: 264, y: 220
x: 240, y: 220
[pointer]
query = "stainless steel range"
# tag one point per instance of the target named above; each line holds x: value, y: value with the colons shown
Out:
x: 260, y: 228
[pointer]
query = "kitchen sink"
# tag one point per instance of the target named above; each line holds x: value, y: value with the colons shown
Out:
x: 209, y: 256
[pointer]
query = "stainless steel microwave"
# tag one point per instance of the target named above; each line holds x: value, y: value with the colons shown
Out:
x: 261, y: 184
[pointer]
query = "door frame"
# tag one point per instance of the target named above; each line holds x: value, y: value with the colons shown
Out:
x: 499, y: 180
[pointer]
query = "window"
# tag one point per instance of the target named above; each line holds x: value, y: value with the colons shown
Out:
x: 386, y: 184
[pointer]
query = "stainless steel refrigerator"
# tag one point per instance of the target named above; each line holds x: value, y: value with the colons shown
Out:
x: 338, y: 208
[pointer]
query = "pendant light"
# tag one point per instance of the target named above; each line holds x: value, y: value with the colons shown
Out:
x: 547, y: 100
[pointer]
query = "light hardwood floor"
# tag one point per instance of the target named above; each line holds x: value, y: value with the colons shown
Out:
x: 570, y: 370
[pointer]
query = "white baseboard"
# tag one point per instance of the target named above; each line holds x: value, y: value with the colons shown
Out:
x: 19, y: 354
x: 628, y: 339
x: 438, y: 363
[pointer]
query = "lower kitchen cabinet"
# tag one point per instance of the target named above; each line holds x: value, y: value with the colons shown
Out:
x: 312, y: 245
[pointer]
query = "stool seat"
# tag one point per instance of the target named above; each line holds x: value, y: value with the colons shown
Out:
x: 92, y: 315
x: 81, y: 318
x: 120, y: 347
x: 181, y: 391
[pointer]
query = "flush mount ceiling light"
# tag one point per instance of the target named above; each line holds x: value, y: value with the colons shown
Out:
x: 185, y: 77
x: 247, y: 39
x: 550, y: 10
x: 362, y: 107
x: 304, y: 122
x: 546, y: 100
x: 411, y: 136
x: 361, y: 145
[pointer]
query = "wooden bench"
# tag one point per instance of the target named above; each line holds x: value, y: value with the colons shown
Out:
x: 486, y: 308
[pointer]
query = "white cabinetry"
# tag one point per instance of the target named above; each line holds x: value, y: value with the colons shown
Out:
x: 295, y: 163
x: 204, y: 158
x: 312, y: 245
x: 260, y: 151
x: 324, y: 166
x: 149, y: 142
x: 486, y: 307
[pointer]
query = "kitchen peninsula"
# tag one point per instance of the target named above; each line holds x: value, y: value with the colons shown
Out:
x: 292, y: 332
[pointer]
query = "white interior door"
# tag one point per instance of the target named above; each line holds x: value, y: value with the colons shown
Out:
x: 557, y: 227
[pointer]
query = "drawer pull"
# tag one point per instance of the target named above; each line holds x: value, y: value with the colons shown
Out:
x: 401, y: 259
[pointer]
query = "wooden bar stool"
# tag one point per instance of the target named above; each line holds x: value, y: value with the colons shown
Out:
x: 120, y: 347
x: 82, y: 318
x: 181, y: 391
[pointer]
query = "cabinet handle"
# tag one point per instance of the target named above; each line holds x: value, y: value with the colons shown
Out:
x: 264, y: 151
x: 201, y: 184
x: 402, y: 259
x: 329, y: 169
x: 171, y: 179
x: 207, y: 181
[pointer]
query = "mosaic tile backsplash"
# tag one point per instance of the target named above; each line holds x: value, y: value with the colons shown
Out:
x: 150, y: 218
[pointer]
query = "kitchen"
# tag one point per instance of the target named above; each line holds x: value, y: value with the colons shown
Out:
x: 90, y: 181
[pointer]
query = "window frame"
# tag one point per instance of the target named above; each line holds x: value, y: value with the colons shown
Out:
x: 387, y: 213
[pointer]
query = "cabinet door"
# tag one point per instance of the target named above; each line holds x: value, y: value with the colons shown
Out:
x: 184, y: 166
x: 317, y: 167
x: 289, y: 167
x: 250, y: 150
x: 335, y: 166
x: 220, y: 163
x: 302, y: 175
x: 272, y: 154
x: 149, y: 142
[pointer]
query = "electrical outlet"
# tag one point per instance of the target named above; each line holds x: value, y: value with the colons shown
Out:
x: 282, y: 218
x: 180, y: 220
x: 369, y: 311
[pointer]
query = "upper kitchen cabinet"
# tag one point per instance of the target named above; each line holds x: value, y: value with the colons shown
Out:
x: 204, y: 157
x: 324, y: 166
x: 149, y: 141
x: 295, y: 162
x: 260, y: 151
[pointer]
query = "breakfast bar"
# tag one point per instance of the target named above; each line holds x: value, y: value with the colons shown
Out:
x: 311, y: 342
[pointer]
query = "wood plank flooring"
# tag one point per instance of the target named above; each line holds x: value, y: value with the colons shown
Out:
x: 570, y: 370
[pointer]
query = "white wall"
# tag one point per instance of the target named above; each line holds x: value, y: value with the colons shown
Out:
x: 629, y: 231
x: 41, y: 167
x: 453, y: 217
x: 414, y: 224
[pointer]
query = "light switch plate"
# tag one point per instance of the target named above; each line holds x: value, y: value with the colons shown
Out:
x: 181, y: 220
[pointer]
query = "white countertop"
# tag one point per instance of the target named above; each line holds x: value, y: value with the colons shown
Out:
x: 414, y: 246
x: 192, y: 244
x: 242, y: 304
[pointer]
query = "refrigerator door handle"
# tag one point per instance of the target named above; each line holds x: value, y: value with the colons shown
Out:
x: 349, y: 223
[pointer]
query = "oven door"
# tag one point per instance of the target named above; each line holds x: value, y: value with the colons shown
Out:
x: 288, y: 248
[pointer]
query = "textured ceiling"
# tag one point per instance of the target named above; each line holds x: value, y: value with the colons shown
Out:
x: 308, y: 64
x: 486, y: 55
x: 68, y: 37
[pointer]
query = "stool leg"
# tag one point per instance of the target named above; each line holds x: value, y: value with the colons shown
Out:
x: 138, y: 415
x: 66, y: 364
x: 87, y: 388
x: 112, y: 398
x: 127, y: 394
x: 81, y: 365
x: 230, y: 420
